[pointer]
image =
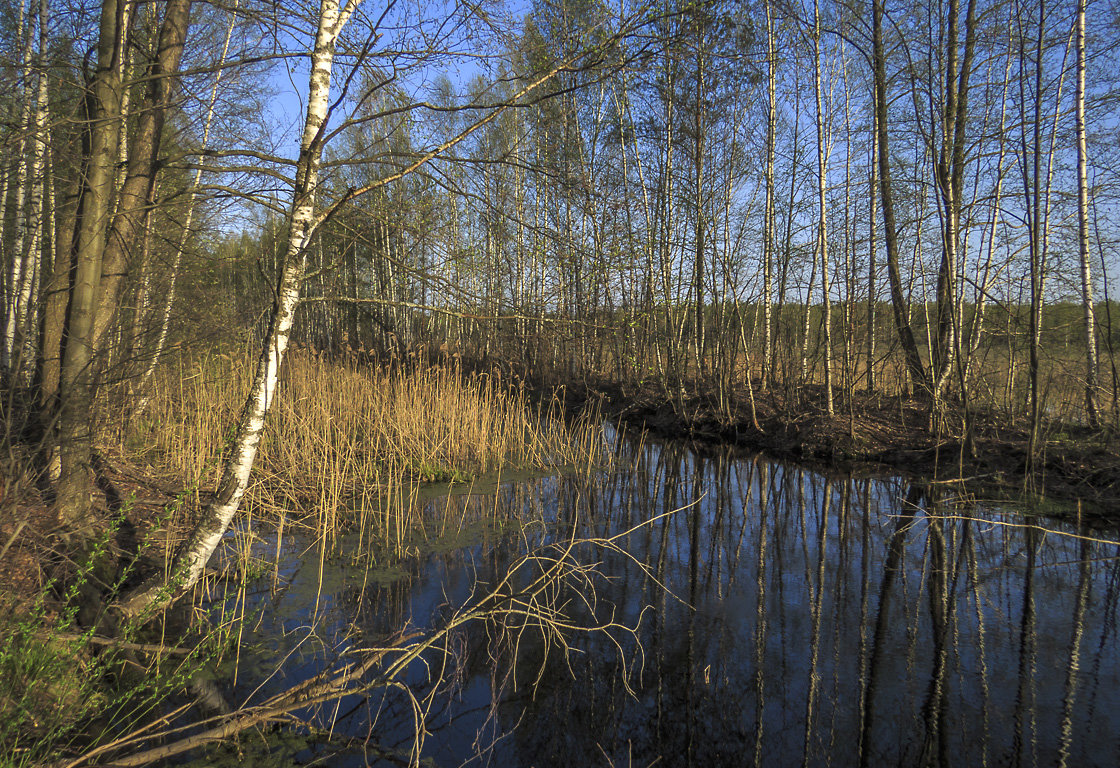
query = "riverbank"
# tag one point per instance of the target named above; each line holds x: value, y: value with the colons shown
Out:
x: 338, y: 428
x: 346, y: 449
x: 884, y: 432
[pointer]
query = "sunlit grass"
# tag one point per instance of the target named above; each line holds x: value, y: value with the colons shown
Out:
x: 343, y: 435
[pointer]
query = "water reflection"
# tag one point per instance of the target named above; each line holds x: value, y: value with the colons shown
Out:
x: 794, y: 618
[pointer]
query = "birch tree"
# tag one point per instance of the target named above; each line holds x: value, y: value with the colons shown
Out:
x: 192, y: 558
x: 769, y: 220
x: 21, y: 323
x: 822, y: 226
x: 17, y: 275
x: 950, y: 160
x: 305, y: 223
x: 1091, y: 407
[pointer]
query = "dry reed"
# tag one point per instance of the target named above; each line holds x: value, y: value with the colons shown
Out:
x: 343, y: 437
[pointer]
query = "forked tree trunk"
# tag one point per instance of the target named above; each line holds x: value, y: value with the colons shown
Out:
x: 53, y: 297
x: 899, y: 303
x: 103, y: 240
x: 950, y: 167
x: 76, y: 386
x: 138, y: 190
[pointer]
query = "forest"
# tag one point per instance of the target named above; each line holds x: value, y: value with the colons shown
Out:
x: 273, y: 263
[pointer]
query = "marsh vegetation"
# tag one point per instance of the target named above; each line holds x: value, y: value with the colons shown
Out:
x: 368, y: 290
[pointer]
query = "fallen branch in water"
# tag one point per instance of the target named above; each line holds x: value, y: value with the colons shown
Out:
x: 557, y: 582
x: 1078, y: 536
x: 323, y: 687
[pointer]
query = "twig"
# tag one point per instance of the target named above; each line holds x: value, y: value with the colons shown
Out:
x: 1077, y: 536
x: 958, y: 479
x: 115, y: 643
x: 12, y: 538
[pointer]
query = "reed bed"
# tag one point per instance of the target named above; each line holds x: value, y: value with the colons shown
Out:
x: 348, y: 444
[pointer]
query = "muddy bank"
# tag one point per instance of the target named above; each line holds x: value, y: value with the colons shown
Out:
x: 889, y: 433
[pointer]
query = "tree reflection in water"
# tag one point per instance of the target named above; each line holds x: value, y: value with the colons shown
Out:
x: 794, y: 618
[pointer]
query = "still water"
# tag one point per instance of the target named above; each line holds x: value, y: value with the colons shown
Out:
x: 757, y: 613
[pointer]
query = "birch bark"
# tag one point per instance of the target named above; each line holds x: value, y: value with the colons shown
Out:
x: 27, y: 326
x: 822, y: 222
x: 16, y: 274
x: 1083, y: 229
x: 192, y: 558
x: 768, y: 221
x: 24, y: 325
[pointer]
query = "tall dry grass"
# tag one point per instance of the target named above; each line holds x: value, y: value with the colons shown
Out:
x: 343, y: 437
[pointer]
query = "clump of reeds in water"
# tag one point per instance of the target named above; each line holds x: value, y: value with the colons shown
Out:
x: 343, y: 436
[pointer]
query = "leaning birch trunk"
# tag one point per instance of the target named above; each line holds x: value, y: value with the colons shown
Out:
x: 192, y: 557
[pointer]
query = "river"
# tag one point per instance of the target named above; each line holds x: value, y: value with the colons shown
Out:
x: 758, y: 612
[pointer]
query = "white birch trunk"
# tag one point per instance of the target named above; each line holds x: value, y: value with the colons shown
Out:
x: 124, y: 72
x: 16, y: 273
x: 1083, y: 229
x: 768, y: 221
x: 822, y: 228
x: 144, y: 289
x: 5, y: 183
x: 193, y: 556
x: 987, y: 277
x: 872, y: 276
x: 25, y: 314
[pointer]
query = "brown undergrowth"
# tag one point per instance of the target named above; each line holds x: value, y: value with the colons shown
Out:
x: 894, y: 433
